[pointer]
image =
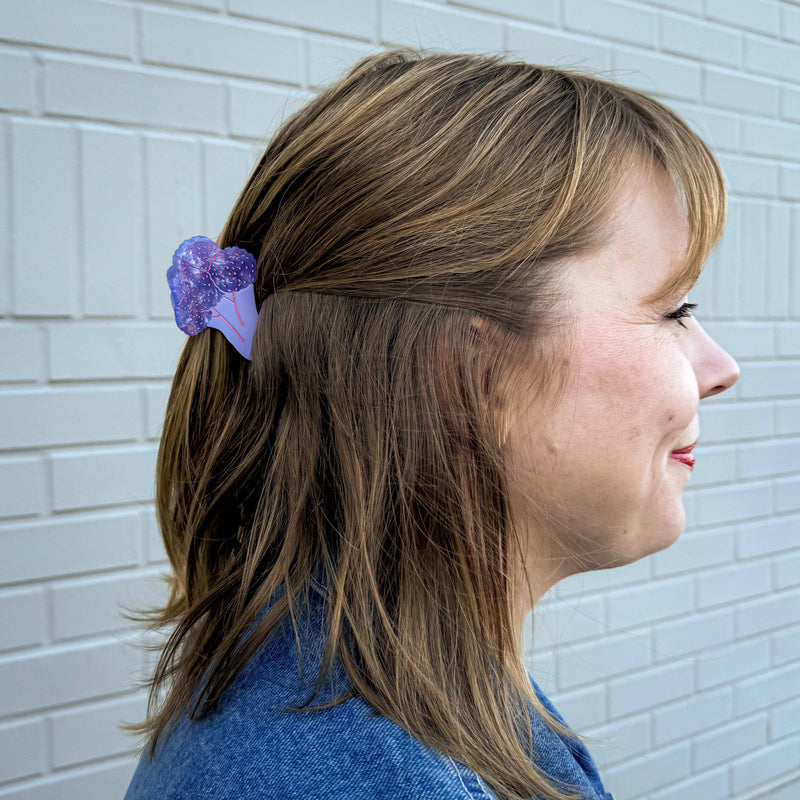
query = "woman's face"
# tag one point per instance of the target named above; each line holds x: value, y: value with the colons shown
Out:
x: 597, y: 462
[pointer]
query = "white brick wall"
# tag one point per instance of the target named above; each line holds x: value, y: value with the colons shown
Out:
x: 119, y: 135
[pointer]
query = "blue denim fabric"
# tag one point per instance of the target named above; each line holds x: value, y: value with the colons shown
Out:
x: 249, y: 748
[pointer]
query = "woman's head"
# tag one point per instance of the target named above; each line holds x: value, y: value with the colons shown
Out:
x: 419, y: 229
x: 595, y: 467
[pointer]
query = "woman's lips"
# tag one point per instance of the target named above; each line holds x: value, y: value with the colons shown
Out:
x: 684, y: 455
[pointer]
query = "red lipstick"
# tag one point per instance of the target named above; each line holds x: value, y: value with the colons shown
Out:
x: 684, y: 455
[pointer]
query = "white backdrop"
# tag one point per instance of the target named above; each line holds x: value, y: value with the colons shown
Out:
x: 128, y: 126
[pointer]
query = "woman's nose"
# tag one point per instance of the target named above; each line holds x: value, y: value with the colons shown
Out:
x: 715, y: 368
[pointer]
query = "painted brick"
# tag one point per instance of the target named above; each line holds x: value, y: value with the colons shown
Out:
x: 227, y: 167
x: 766, y: 536
x: 258, y: 111
x: 739, y: 91
x: 17, y: 90
x: 44, y: 153
x: 785, y: 719
x: 119, y: 350
x: 22, y: 749
x: 550, y: 47
x: 582, y: 708
x: 659, y: 768
x: 658, y: 74
x: 92, y: 731
x: 22, y: 618
x: 733, y: 583
x: 563, y: 622
x: 729, y: 742
x: 794, y: 303
x: 750, y: 175
x: 611, y: 20
x: 447, y: 28
x: 653, y: 687
x: 755, y: 15
x: 31, y: 682
x: 174, y: 188
x: 351, y: 18
x: 749, y: 420
x: 695, y: 550
x: 787, y: 494
x: 22, y: 350
x: 775, y: 59
x: 787, y: 571
x: 643, y: 605
x: 767, y: 613
x: 791, y: 23
x: 760, y: 459
x: 714, y: 465
x: 726, y: 265
x: 734, y: 661
x: 692, y: 633
x: 112, y: 191
x: 778, y: 265
x: 155, y: 407
x: 154, y: 546
x: 79, y: 25
x: 139, y: 137
x: 23, y: 486
x: 684, y: 718
x: 790, y: 103
x: 93, y: 478
x: 689, y: 37
x: 70, y: 546
x: 109, y: 779
x: 137, y: 95
x: 230, y: 47
x: 327, y: 58
x: 5, y: 227
x: 600, y: 660
x: 774, y: 139
x: 89, y: 606
x: 686, y: 6
x: 57, y: 416
x: 765, y: 690
x: 787, y: 338
x: 711, y: 785
x: 719, y: 129
x: 732, y: 503
x: 745, y: 340
x: 769, y: 379
x: 586, y: 583
x: 756, y: 768
x: 627, y: 738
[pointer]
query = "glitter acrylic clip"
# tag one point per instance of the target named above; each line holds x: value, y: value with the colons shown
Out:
x: 213, y: 287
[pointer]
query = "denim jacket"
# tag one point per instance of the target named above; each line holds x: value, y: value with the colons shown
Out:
x: 249, y: 749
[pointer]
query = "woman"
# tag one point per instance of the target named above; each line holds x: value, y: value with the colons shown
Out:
x: 472, y: 361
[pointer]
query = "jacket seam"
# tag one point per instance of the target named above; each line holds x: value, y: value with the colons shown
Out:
x: 484, y: 795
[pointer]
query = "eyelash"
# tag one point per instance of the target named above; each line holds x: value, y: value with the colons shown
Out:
x: 684, y: 311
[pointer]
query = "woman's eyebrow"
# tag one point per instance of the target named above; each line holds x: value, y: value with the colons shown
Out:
x: 662, y: 293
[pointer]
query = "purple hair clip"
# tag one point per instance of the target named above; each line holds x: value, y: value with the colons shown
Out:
x: 212, y: 287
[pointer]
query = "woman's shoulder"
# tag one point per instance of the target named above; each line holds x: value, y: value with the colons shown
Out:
x: 252, y: 748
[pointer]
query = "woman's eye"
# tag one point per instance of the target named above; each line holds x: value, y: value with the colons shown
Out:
x: 684, y: 311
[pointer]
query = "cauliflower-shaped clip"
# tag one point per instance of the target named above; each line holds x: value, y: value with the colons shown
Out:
x: 212, y: 287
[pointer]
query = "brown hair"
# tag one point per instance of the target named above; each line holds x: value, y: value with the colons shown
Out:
x: 409, y: 225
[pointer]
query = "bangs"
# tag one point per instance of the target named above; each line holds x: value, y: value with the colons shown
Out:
x: 700, y: 186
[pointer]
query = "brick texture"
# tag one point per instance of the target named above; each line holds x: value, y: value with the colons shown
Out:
x: 120, y: 136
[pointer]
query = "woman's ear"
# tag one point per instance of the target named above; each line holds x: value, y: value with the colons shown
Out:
x: 484, y: 330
